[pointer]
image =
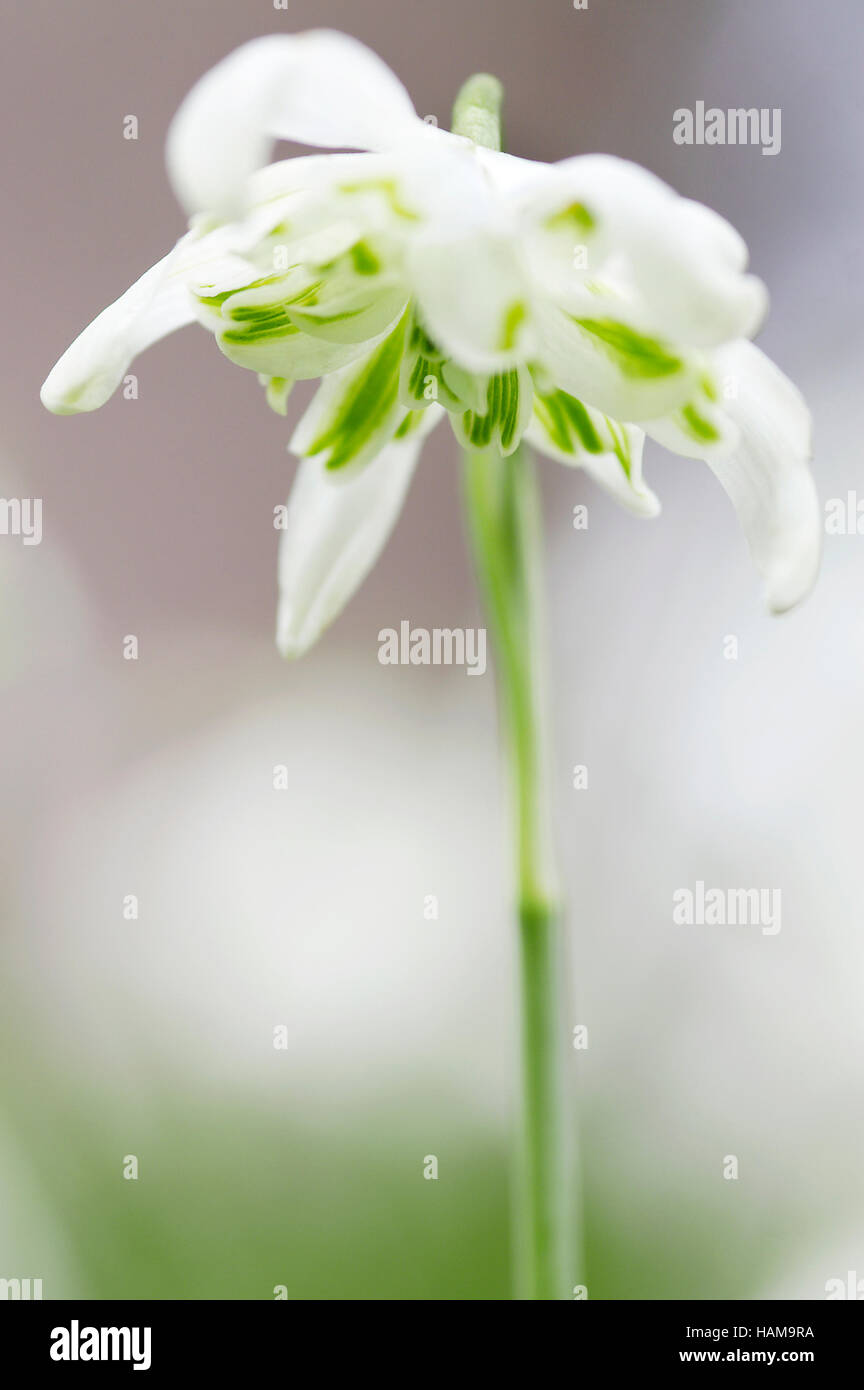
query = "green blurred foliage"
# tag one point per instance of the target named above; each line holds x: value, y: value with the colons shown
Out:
x: 233, y: 1199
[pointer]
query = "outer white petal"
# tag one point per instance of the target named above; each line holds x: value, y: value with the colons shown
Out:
x: 585, y: 366
x: 692, y: 276
x: 701, y: 427
x: 336, y: 529
x: 687, y: 262
x: 626, y: 485
x: 632, y: 493
x: 93, y: 367
x: 318, y: 88
x: 767, y: 477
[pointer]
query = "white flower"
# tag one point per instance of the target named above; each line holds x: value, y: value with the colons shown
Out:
x: 582, y: 305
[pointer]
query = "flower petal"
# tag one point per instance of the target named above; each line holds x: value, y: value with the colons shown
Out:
x: 566, y: 430
x: 92, y: 368
x: 606, y: 357
x: 260, y: 321
x: 158, y: 303
x: 699, y: 428
x: 502, y: 415
x: 294, y: 355
x: 355, y: 410
x: 767, y: 477
x: 686, y: 262
x: 691, y: 275
x: 473, y: 298
x: 318, y: 88
x: 336, y: 528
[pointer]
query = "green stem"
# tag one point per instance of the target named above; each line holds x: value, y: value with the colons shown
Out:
x: 504, y: 517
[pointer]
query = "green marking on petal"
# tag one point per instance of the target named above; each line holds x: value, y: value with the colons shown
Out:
x: 507, y: 404
x: 265, y: 320
x: 573, y: 429
x: 576, y: 218
x: 248, y: 337
x: 264, y: 315
x: 577, y: 415
x: 310, y: 322
x: 568, y: 423
x: 277, y: 390
x: 514, y: 317
x: 417, y: 379
x: 412, y: 422
x: 388, y: 188
x: 709, y: 386
x: 364, y: 259
x: 217, y: 301
x: 635, y: 354
x: 369, y: 398
x: 554, y: 422
x: 620, y: 444
x: 425, y: 376
x: 419, y: 341
x: 698, y: 427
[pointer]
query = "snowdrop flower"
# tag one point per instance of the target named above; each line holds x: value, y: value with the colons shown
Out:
x: 581, y: 306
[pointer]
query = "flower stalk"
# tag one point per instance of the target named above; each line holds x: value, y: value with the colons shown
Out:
x: 504, y: 517
x: 503, y: 509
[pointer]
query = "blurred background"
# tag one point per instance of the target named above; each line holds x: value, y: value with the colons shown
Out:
x: 303, y: 908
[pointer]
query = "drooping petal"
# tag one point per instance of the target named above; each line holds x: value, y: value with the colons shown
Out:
x: 573, y: 433
x: 692, y: 276
x: 767, y: 476
x: 336, y: 528
x: 159, y: 302
x: 605, y: 356
x: 686, y: 262
x: 355, y: 410
x: 699, y: 428
x: 501, y: 417
x: 318, y: 88
x: 92, y: 368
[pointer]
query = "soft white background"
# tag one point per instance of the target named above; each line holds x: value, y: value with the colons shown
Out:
x: 305, y: 906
